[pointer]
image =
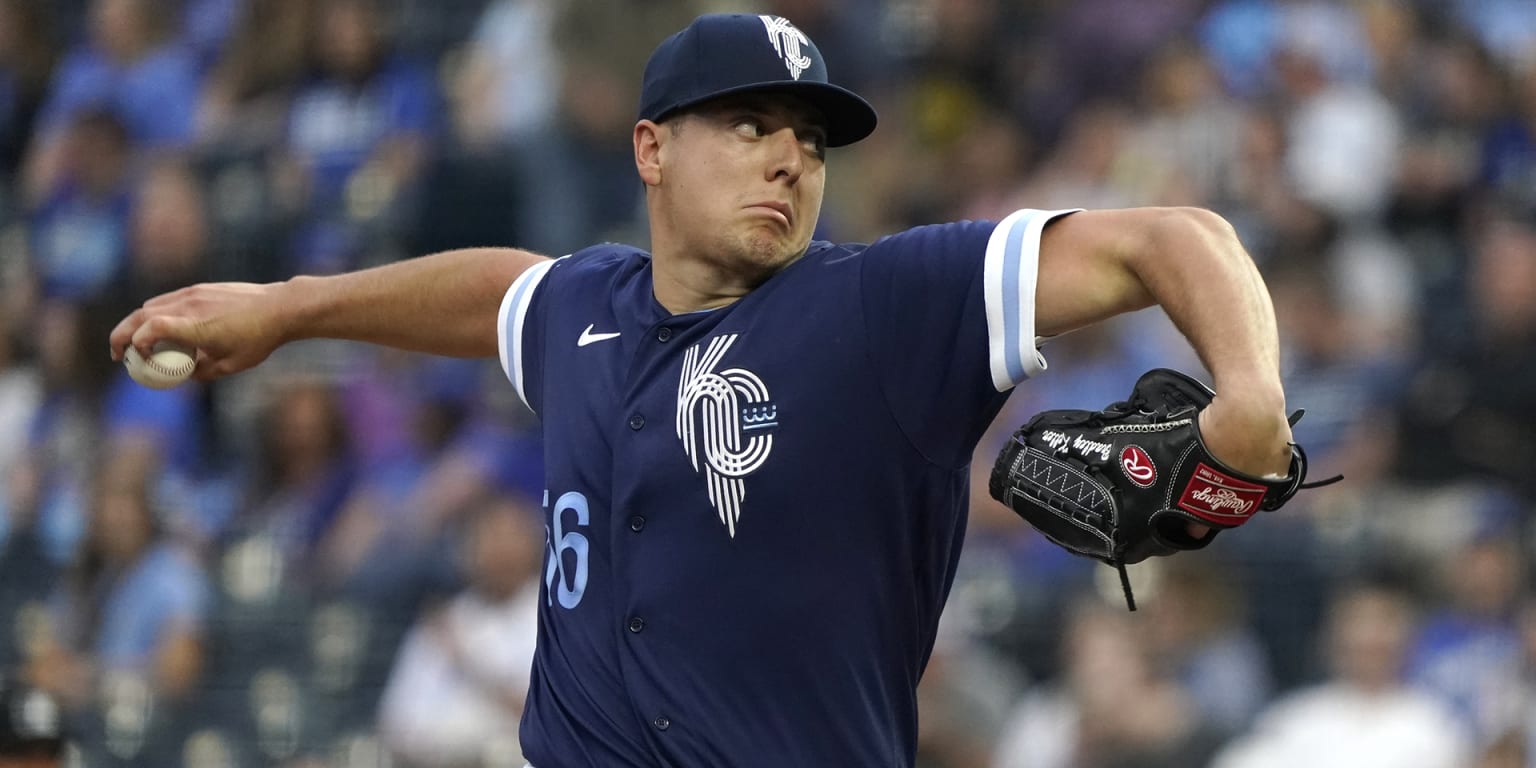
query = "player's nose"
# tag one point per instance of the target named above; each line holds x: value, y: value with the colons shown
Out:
x: 787, y: 157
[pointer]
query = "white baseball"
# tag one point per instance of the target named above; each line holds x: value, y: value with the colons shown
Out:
x: 168, y: 365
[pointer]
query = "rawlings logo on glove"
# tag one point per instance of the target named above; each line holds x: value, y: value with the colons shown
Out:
x: 1056, y: 472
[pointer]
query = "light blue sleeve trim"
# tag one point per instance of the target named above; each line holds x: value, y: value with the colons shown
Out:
x: 1009, y: 279
x: 510, y: 320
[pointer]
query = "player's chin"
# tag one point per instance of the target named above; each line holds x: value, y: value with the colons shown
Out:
x: 772, y: 251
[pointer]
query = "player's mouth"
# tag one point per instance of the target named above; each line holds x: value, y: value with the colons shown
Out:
x: 774, y: 209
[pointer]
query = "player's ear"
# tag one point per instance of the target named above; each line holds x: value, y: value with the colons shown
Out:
x: 649, y: 138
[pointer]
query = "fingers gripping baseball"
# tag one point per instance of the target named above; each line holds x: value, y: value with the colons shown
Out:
x: 232, y: 326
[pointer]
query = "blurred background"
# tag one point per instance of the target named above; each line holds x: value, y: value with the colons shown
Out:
x: 332, y: 559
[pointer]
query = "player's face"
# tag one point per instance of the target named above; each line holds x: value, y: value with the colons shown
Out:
x: 742, y: 181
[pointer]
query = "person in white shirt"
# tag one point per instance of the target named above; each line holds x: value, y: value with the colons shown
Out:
x: 1364, y: 714
x: 456, y: 692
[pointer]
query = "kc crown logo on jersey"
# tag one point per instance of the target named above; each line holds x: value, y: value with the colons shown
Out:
x: 787, y: 39
x: 727, y: 420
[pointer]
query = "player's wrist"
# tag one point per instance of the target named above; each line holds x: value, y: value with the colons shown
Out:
x: 1262, y: 396
x: 297, y: 310
x: 1251, y: 437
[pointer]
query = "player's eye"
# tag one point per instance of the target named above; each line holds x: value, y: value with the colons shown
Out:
x: 815, y: 142
x: 750, y: 126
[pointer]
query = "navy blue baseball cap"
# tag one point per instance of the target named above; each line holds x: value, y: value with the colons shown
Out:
x: 723, y: 54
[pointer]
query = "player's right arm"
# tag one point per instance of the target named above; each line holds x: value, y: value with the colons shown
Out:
x: 446, y: 303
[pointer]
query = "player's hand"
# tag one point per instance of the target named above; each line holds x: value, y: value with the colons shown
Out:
x: 1252, y: 438
x: 1246, y: 436
x: 233, y: 326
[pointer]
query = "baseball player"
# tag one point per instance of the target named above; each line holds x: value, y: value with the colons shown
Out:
x: 757, y: 444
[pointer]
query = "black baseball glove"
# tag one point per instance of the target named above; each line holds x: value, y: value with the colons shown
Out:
x: 1122, y: 484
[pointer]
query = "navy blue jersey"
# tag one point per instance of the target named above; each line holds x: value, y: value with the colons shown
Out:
x: 754, y: 513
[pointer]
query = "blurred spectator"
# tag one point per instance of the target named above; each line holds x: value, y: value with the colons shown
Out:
x: 1196, y: 626
x: 955, y: 71
x: 1467, y: 651
x: 26, y: 573
x: 31, y: 727
x: 303, y: 474
x: 964, y: 696
x: 579, y: 181
x: 507, y: 87
x: 1343, y: 136
x: 983, y: 171
x: 1454, y: 95
x: 168, y: 419
x: 406, y: 413
x: 135, y: 602
x: 505, y: 84
x: 1329, y: 35
x: 1506, y: 27
x: 1099, y: 61
x: 1520, y: 742
x: 1363, y: 714
x: 457, y: 689
x: 359, y: 135
x: 1336, y: 368
x: 1185, y: 150
x: 1509, y: 149
x: 21, y: 392
x: 133, y: 66
x: 80, y: 230
x: 169, y: 234
x: 1469, y: 409
x: 1392, y: 31
x: 28, y: 52
x: 1263, y: 206
x: 206, y: 26
x: 51, y: 489
x: 1112, y: 706
x: 1241, y: 37
x: 245, y: 103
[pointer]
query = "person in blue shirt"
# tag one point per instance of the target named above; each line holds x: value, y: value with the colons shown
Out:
x: 136, y: 600
x: 366, y: 119
x: 132, y: 65
x: 757, y: 444
x: 79, y: 234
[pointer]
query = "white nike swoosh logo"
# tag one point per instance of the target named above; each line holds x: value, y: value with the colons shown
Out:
x: 588, y: 337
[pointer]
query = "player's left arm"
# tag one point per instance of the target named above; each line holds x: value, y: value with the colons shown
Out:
x: 1096, y: 264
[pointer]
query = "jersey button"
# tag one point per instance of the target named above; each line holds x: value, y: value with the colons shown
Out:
x: 637, y: 625
x: 663, y: 334
x: 637, y: 523
x: 636, y: 422
x: 661, y: 723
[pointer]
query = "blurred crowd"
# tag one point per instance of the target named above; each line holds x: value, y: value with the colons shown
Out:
x: 334, y: 559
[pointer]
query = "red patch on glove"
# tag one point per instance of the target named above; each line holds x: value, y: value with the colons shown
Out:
x: 1219, y: 498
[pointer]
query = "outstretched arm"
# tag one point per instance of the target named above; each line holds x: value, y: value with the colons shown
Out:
x: 445, y: 304
x: 1095, y: 264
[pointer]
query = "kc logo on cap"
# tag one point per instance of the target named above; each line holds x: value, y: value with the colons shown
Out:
x: 787, y: 39
x: 729, y: 53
